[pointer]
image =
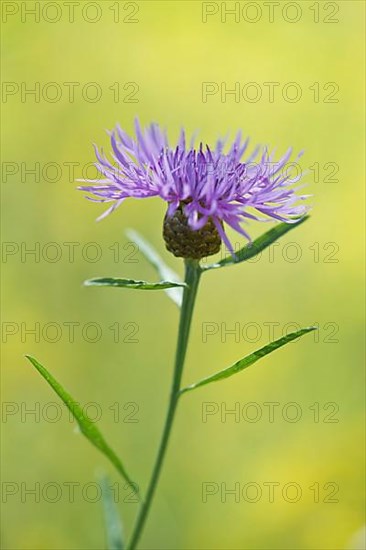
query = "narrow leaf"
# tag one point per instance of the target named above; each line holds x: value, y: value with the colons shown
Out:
x: 131, y: 283
x: 259, y: 244
x: 113, y: 525
x: 164, y: 271
x: 87, y: 427
x: 249, y: 359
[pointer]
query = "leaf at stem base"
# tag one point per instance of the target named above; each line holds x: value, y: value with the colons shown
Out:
x: 113, y: 524
x: 249, y: 359
x: 131, y: 283
x: 86, y: 425
x: 257, y: 246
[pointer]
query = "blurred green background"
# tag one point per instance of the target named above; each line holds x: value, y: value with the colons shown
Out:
x: 168, y: 53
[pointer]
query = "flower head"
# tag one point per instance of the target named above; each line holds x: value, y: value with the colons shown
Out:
x: 205, y: 188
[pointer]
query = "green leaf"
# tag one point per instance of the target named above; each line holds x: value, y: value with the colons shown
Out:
x: 254, y: 248
x: 113, y: 525
x: 164, y: 271
x: 87, y: 426
x: 131, y: 283
x: 249, y: 359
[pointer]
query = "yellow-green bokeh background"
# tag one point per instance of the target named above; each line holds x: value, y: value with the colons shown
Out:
x: 169, y: 53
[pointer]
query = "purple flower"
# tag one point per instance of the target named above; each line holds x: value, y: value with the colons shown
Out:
x: 208, y: 185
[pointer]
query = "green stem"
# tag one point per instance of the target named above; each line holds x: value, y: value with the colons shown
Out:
x: 192, y: 277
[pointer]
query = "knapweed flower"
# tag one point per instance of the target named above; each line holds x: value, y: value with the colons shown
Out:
x: 205, y: 188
